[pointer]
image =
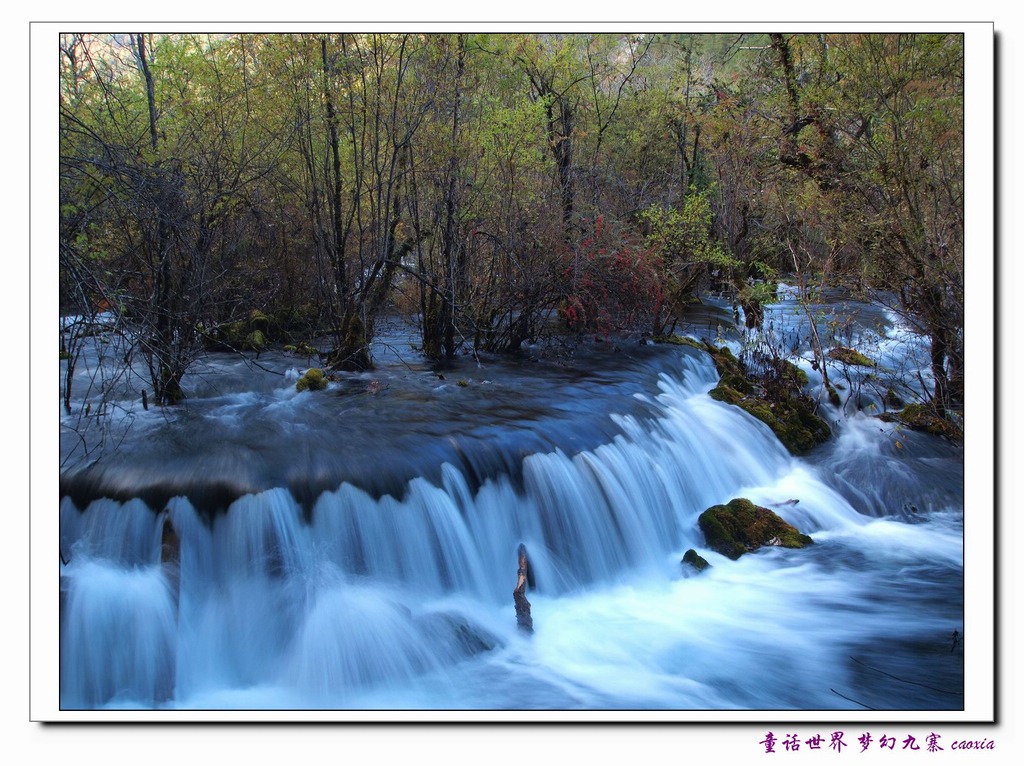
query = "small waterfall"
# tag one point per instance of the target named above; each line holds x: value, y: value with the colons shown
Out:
x: 118, y: 635
x: 389, y: 602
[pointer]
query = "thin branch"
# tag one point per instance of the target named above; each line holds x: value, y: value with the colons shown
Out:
x: 850, y: 699
x: 905, y: 681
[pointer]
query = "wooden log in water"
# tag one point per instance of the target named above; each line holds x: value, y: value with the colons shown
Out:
x: 523, y: 617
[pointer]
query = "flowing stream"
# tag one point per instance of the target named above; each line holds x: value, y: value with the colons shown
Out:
x: 355, y: 548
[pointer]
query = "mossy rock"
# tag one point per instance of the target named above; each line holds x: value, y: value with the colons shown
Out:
x: 737, y: 382
x: 923, y: 417
x: 739, y: 527
x: 792, y: 420
x: 695, y: 560
x: 850, y: 356
x: 833, y: 396
x: 226, y: 337
x: 259, y: 321
x: 798, y: 375
x: 233, y: 332
x: 300, y: 349
x: 678, y: 340
x: 255, y: 341
x: 313, y: 380
x: 727, y: 394
x: 791, y: 417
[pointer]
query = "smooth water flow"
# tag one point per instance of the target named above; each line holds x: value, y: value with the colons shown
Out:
x: 397, y: 595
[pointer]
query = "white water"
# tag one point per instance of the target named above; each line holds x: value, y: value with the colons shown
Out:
x: 406, y: 604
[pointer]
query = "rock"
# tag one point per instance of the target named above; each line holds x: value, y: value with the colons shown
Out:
x: 300, y: 349
x: 785, y: 409
x: 676, y: 340
x: 790, y: 415
x: 255, y: 341
x: 849, y: 356
x: 456, y: 630
x: 695, y: 560
x: 924, y: 417
x: 739, y: 527
x: 313, y: 380
x: 258, y: 321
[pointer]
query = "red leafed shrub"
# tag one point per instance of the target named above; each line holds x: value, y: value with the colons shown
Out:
x: 612, y: 283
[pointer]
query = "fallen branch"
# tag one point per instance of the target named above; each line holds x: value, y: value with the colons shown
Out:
x: 523, y: 618
x: 905, y: 681
x: 850, y: 699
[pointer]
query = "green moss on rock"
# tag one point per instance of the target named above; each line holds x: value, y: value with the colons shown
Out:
x: 695, y: 560
x: 850, y: 356
x: 678, y: 340
x: 255, y: 341
x: 739, y: 526
x: 833, y: 396
x: 727, y: 394
x: 790, y: 415
x: 259, y: 321
x: 233, y: 333
x: 793, y: 421
x: 313, y: 380
x: 798, y: 374
x: 301, y: 349
x: 923, y: 417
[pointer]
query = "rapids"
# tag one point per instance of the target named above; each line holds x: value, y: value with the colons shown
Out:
x: 355, y: 548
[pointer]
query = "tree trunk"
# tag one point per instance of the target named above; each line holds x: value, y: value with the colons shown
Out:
x: 164, y: 369
x: 337, y: 238
x: 452, y: 252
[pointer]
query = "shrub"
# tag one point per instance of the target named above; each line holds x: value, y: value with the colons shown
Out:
x: 612, y: 284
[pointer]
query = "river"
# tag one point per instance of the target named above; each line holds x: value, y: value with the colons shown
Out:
x: 354, y: 549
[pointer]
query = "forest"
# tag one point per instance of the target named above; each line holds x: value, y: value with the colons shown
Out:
x: 229, y: 192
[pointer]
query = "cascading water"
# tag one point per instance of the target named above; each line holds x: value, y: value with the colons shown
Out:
x: 396, y: 593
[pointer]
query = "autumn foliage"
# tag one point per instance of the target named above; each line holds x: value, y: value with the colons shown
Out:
x: 613, y: 283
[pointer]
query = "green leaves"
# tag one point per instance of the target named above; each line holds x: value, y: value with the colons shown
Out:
x: 684, y: 235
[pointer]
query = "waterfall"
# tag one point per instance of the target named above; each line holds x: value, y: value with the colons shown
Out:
x: 403, y: 600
